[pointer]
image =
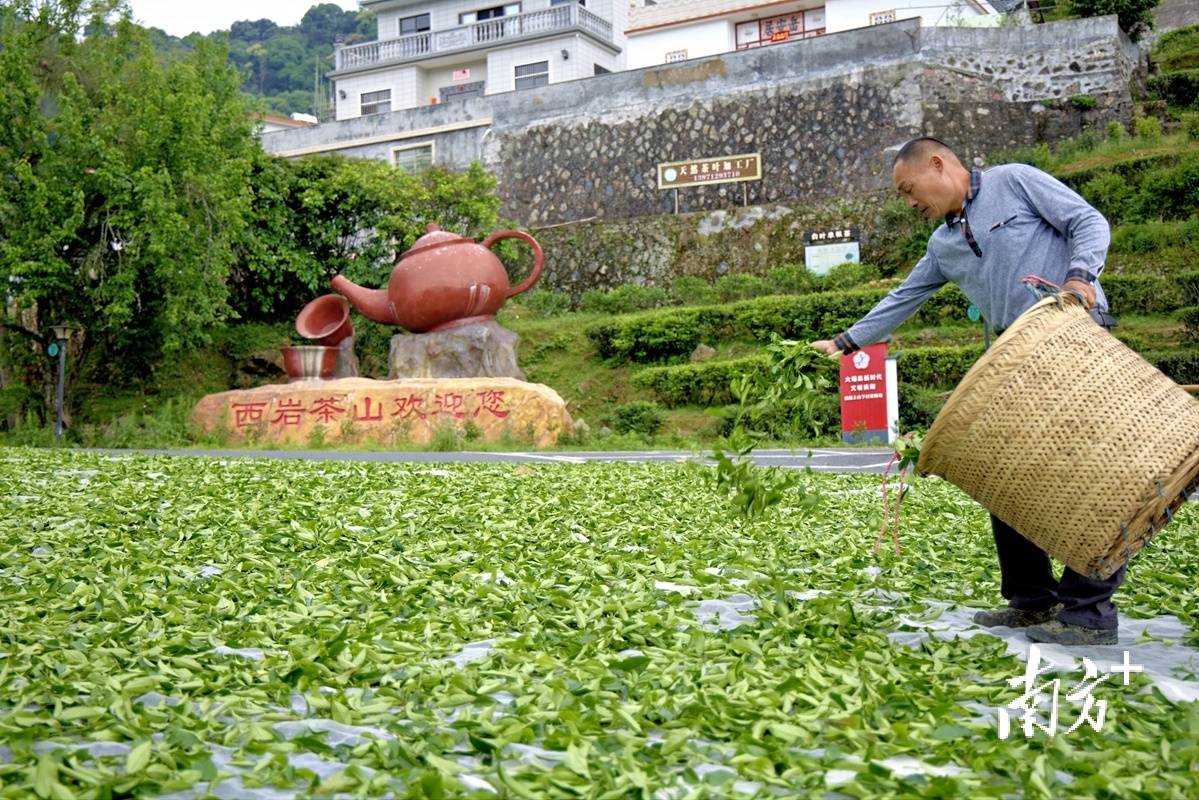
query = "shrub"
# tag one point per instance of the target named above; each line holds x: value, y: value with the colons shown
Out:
x: 1115, y: 131
x: 1135, y: 16
x: 1190, y: 125
x: 1149, y: 128
x: 1181, y: 366
x: 1178, y: 89
x: 1188, y: 285
x: 691, y: 291
x: 1083, y: 102
x: 919, y: 405
x: 1171, y: 193
x: 740, y: 286
x: 622, y: 299
x: 849, y: 275
x: 1190, y: 322
x: 545, y: 302
x: 787, y: 422
x: 1178, y: 49
x: 672, y: 333
x: 1112, y: 195
x: 1141, y: 294
x: 936, y: 366
x: 639, y: 416
x: 791, y: 279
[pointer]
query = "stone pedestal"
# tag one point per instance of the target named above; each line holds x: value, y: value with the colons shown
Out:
x: 480, y: 349
x: 355, y: 410
x: 347, y: 361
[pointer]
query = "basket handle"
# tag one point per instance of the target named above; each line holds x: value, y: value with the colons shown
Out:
x: 1042, y: 288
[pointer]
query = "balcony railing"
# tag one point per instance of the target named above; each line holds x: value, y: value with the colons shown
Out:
x: 480, y: 34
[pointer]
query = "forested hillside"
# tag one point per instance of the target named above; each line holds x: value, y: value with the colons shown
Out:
x: 285, y: 65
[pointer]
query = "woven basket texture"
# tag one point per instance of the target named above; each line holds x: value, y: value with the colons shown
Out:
x: 1070, y: 437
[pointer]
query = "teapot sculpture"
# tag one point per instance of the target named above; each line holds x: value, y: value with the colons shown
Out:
x: 442, y: 282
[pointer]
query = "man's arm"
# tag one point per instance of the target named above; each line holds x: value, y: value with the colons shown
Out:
x: 891, y: 312
x: 1084, y: 227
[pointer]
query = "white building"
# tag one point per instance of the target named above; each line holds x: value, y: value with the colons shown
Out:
x: 676, y: 30
x: 437, y: 51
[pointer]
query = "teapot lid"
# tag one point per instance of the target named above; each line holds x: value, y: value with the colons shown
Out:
x: 434, y: 235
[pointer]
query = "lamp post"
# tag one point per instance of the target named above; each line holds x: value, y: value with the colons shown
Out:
x: 59, y: 348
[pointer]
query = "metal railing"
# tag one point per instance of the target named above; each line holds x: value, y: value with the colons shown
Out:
x: 479, y: 34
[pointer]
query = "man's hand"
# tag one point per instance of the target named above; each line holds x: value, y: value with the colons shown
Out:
x: 828, y: 347
x: 1084, y: 288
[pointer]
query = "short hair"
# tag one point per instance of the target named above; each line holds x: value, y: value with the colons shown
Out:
x: 921, y: 148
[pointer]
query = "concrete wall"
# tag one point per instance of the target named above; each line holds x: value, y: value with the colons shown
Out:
x: 826, y: 114
x: 704, y: 38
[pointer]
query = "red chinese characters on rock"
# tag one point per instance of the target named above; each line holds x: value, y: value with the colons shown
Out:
x: 245, y: 414
x: 450, y: 404
x: 407, y: 406
x: 290, y: 412
x: 491, y: 401
x: 326, y: 408
x: 367, y: 415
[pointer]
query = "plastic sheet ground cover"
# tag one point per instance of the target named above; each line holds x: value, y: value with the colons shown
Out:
x: 187, y: 627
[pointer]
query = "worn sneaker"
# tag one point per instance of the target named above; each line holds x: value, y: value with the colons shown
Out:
x: 1058, y: 632
x: 1015, y: 617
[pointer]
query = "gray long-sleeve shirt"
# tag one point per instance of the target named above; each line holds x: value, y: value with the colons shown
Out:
x: 1024, y: 221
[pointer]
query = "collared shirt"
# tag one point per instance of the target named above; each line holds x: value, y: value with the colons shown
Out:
x: 1023, y: 221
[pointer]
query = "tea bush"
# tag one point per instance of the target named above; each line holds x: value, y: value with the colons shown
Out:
x: 622, y: 299
x: 689, y: 290
x: 741, y: 286
x: 639, y: 416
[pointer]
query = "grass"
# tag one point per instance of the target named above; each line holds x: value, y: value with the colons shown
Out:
x: 463, y: 632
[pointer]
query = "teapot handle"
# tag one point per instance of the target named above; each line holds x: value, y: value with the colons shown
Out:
x: 538, y: 258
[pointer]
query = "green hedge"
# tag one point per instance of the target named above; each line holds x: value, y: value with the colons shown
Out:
x: 1188, y: 283
x: 667, y: 334
x: 936, y: 366
x: 1179, y: 89
x: 707, y: 383
x: 1181, y: 366
x: 1190, y: 321
x: 704, y: 384
x: 1141, y: 294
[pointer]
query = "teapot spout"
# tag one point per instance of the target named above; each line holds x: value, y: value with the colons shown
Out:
x: 371, y: 303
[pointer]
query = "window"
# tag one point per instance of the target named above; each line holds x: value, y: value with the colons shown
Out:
x: 567, y: 2
x: 411, y: 25
x: 882, y: 17
x: 413, y: 157
x: 495, y: 12
x: 529, y: 76
x: 601, y: 70
x: 376, y: 102
x: 676, y: 55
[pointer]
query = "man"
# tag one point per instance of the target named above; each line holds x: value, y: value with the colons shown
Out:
x: 1001, y: 225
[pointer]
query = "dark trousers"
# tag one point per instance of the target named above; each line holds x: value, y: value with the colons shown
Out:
x: 1027, y: 582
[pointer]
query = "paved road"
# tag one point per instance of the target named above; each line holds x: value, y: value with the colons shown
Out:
x: 819, y: 459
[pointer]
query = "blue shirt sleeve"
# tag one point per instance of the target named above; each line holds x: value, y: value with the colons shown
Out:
x: 901, y: 303
x: 1085, y: 229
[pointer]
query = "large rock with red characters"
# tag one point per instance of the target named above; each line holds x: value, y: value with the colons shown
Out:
x: 355, y: 410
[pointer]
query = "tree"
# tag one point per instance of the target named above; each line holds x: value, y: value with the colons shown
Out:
x: 123, y: 187
x: 322, y: 215
x: 1135, y: 16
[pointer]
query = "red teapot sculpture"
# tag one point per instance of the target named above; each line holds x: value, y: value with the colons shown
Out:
x: 442, y: 282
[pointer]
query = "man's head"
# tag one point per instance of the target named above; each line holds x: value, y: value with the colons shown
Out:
x: 929, y: 177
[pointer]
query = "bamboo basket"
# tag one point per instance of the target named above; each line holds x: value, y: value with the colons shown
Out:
x: 1070, y: 437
